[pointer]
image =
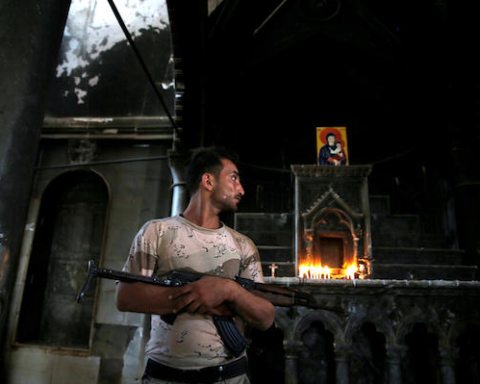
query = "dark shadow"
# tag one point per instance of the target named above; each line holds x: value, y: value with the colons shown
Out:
x: 467, y: 367
x: 421, y: 364
x: 266, y: 356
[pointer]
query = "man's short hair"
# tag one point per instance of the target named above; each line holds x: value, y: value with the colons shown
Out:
x: 206, y: 159
x: 331, y: 134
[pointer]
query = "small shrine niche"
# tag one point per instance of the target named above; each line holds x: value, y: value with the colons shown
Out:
x: 332, y: 222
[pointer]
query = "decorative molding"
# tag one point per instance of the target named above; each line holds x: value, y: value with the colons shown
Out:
x: 320, y: 204
x: 312, y: 170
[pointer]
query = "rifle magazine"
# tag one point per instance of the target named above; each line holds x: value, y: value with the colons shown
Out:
x: 234, y: 341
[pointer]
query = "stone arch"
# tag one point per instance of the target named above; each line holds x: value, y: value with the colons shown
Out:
x: 381, y: 323
x: 460, y: 327
x: 427, y: 316
x: 56, y: 179
x: 332, y: 323
x: 318, y: 333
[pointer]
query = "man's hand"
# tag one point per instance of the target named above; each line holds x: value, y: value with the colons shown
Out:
x: 208, y: 296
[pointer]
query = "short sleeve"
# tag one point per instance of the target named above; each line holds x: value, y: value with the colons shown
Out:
x: 142, y: 259
x: 250, y: 265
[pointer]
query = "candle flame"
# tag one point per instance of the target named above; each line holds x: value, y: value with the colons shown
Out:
x: 318, y: 271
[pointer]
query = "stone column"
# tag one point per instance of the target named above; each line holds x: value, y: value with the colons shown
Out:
x: 394, y: 363
x: 292, y: 351
x: 447, y: 365
x: 30, y: 36
x: 342, y: 352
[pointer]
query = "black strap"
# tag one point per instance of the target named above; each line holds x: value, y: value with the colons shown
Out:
x: 205, y: 375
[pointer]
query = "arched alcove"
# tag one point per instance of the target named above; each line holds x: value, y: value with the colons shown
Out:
x: 422, y: 362
x: 335, y: 241
x: 69, y: 232
x: 316, y: 361
x: 368, y: 355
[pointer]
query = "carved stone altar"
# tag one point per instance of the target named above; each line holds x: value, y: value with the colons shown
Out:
x: 375, y: 326
x: 381, y: 331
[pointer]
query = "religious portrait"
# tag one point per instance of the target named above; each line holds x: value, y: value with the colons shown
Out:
x: 332, y: 148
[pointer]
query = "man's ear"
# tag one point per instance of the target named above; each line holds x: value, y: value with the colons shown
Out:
x: 208, y: 181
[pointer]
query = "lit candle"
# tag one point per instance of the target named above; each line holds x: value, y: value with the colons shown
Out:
x: 350, y: 272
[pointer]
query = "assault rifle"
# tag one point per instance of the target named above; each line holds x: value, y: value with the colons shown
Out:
x: 234, y: 341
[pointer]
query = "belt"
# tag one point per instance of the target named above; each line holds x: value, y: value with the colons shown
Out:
x: 201, y: 375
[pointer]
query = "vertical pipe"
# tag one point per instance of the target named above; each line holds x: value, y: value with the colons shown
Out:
x: 176, y: 162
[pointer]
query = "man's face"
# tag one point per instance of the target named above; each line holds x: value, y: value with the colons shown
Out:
x: 331, y: 140
x: 228, y: 189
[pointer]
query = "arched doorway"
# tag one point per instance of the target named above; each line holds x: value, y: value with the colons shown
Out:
x: 69, y: 232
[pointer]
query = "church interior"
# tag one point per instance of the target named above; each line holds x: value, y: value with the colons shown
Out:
x: 103, y: 101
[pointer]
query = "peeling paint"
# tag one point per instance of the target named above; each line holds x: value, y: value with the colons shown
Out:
x: 80, y: 95
x: 93, y: 81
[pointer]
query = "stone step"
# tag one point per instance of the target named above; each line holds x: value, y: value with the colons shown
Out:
x: 417, y: 256
x: 423, y: 272
x: 418, y: 240
x: 434, y: 240
x: 394, y: 224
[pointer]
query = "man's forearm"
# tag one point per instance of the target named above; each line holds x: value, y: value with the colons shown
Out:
x: 143, y: 298
x: 256, y: 311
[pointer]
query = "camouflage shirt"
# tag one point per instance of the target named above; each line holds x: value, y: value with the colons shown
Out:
x: 162, y: 245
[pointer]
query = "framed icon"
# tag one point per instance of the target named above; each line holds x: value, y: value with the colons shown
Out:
x: 332, y: 146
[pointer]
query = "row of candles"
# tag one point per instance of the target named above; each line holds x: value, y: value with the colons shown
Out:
x: 309, y: 271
